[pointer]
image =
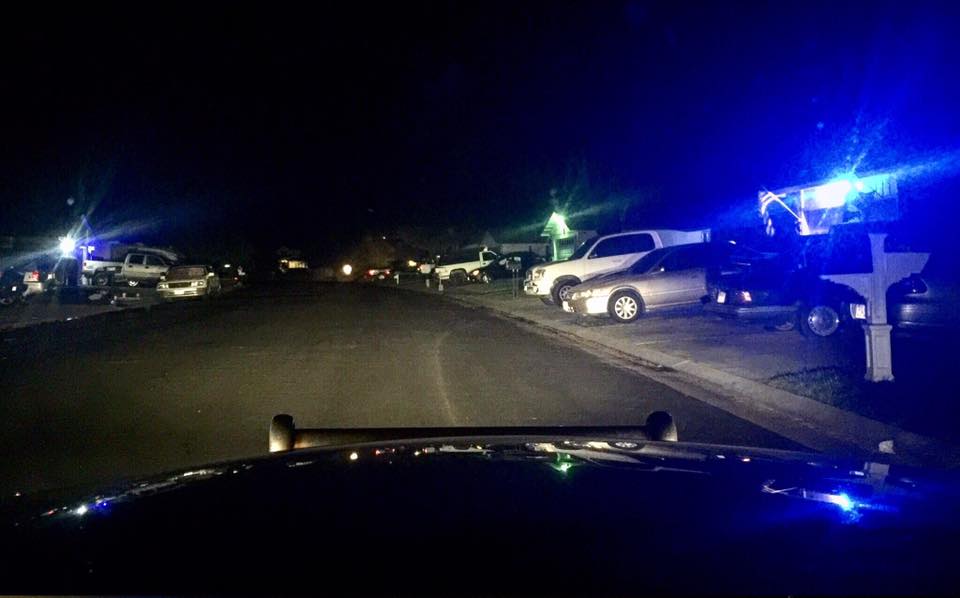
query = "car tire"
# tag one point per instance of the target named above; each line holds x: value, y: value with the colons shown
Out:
x: 819, y: 320
x: 458, y: 277
x: 561, y: 290
x: 101, y: 280
x: 625, y: 306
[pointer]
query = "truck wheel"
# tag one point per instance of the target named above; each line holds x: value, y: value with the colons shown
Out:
x: 819, y: 320
x: 561, y: 291
x: 458, y: 277
x: 101, y: 280
x: 625, y: 306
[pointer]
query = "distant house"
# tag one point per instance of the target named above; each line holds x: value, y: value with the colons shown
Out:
x: 509, y: 241
x: 564, y: 234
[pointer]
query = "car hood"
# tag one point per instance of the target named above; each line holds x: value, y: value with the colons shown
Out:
x: 419, y: 514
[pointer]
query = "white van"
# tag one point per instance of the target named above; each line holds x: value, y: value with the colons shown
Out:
x: 608, y: 253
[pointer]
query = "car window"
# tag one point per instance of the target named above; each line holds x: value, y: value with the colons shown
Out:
x: 457, y: 258
x: 186, y: 272
x: 153, y: 260
x: 488, y: 255
x: 135, y: 259
x: 624, y: 245
x: 648, y: 262
x: 685, y: 258
x: 583, y: 249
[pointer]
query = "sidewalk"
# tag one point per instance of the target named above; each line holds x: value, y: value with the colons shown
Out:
x: 738, y: 367
x: 50, y: 309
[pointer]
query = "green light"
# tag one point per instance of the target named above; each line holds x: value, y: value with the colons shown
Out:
x: 563, y: 464
x: 559, y: 223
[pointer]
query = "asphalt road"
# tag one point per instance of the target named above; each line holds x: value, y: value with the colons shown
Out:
x: 143, y: 391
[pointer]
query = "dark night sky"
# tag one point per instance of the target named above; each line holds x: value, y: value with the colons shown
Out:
x: 289, y: 126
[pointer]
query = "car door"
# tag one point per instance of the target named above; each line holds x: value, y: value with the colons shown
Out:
x: 682, y: 278
x: 135, y: 267
x: 154, y: 267
x: 691, y: 268
x: 487, y: 257
x: 617, y: 253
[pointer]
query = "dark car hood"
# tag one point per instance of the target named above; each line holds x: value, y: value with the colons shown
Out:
x: 501, y: 515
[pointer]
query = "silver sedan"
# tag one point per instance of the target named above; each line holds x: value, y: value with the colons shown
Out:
x: 668, y: 277
x: 182, y: 282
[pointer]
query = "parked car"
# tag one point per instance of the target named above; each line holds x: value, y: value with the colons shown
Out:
x: 456, y: 267
x: 553, y: 281
x: 500, y: 268
x: 135, y: 270
x: 12, y: 289
x: 667, y: 277
x: 929, y: 300
x: 786, y: 289
x: 379, y: 273
x: 230, y: 275
x: 182, y: 282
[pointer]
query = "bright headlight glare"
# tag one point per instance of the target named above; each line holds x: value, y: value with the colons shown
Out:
x: 347, y: 269
x: 67, y: 245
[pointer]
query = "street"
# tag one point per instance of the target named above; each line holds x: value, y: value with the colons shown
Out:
x: 142, y: 391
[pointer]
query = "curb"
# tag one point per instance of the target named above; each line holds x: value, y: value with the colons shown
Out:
x: 804, y: 420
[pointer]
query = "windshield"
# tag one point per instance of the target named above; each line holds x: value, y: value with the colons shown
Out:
x: 186, y: 272
x: 583, y: 249
x: 218, y: 215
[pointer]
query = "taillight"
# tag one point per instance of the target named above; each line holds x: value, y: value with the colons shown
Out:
x: 33, y: 276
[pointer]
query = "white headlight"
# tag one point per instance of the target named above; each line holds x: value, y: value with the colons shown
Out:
x: 67, y: 245
x: 347, y: 269
x: 538, y: 273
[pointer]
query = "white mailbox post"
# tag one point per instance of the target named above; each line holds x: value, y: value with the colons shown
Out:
x: 888, y: 268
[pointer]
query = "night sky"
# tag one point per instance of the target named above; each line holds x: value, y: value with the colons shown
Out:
x: 286, y: 126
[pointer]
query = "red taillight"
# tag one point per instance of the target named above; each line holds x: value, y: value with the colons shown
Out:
x: 34, y: 276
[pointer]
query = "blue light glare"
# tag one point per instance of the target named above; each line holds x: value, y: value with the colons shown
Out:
x: 844, y: 502
x: 834, y: 194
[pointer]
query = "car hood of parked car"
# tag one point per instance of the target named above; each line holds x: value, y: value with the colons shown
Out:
x: 543, y: 514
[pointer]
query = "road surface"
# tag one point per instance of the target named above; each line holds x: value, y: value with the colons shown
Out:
x: 143, y: 391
